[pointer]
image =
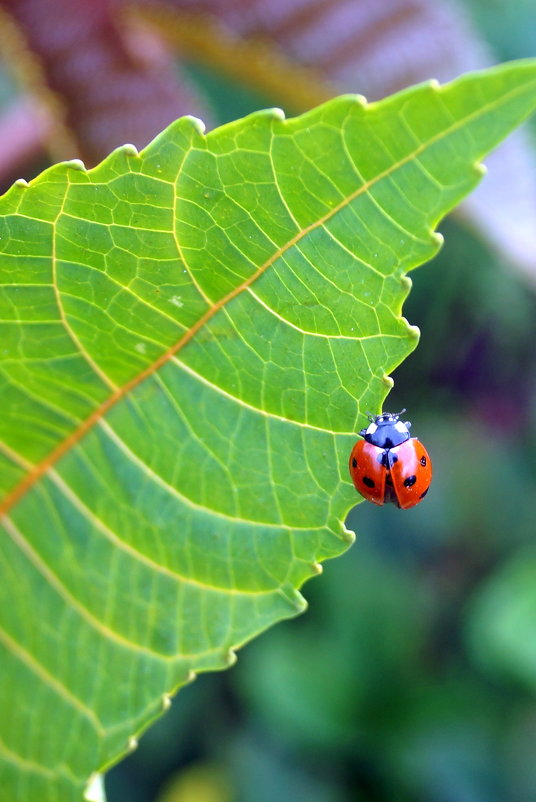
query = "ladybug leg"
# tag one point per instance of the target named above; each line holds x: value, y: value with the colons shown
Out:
x: 362, y: 433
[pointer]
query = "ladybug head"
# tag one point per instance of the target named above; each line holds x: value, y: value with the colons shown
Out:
x: 386, y: 430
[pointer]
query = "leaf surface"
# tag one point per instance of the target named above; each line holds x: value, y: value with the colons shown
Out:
x: 190, y: 337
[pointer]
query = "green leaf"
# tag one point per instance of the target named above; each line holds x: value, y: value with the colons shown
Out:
x: 190, y: 337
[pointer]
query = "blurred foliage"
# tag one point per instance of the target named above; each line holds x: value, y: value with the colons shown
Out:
x: 504, y: 24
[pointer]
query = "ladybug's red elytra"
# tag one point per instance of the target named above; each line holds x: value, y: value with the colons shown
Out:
x: 388, y: 465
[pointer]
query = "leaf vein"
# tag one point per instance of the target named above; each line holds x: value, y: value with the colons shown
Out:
x: 173, y: 490
x: 52, y: 682
x: 50, y: 577
x: 77, y: 342
x: 258, y: 410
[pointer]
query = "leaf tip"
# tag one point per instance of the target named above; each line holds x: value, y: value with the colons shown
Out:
x: 166, y: 701
x: 413, y: 331
x: 406, y: 283
x: 130, y: 150
x: 75, y: 164
x: 349, y: 534
x: 94, y: 791
x: 190, y: 677
x: 353, y: 99
x: 437, y: 239
x: 197, y: 124
x: 299, y: 602
x: 276, y: 114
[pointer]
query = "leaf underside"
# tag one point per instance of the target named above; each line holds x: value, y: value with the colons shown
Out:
x: 190, y: 337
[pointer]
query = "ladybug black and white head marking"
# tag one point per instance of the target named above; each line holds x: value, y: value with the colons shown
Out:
x: 386, y: 430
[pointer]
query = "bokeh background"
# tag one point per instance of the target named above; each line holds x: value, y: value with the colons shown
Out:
x: 413, y: 674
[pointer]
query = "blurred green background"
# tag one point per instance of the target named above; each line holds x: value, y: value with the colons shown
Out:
x: 412, y: 676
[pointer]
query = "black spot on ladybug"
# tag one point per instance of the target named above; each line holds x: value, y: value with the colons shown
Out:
x: 423, y: 460
x: 368, y: 481
x: 409, y: 481
x: 354, y: 463
x: 424, y: 493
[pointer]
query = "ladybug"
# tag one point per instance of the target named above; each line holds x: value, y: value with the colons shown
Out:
x: 388, y: 465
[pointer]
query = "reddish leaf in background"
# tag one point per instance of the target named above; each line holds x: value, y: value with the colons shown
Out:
x: 24, y: 127
x: 108, y: 84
